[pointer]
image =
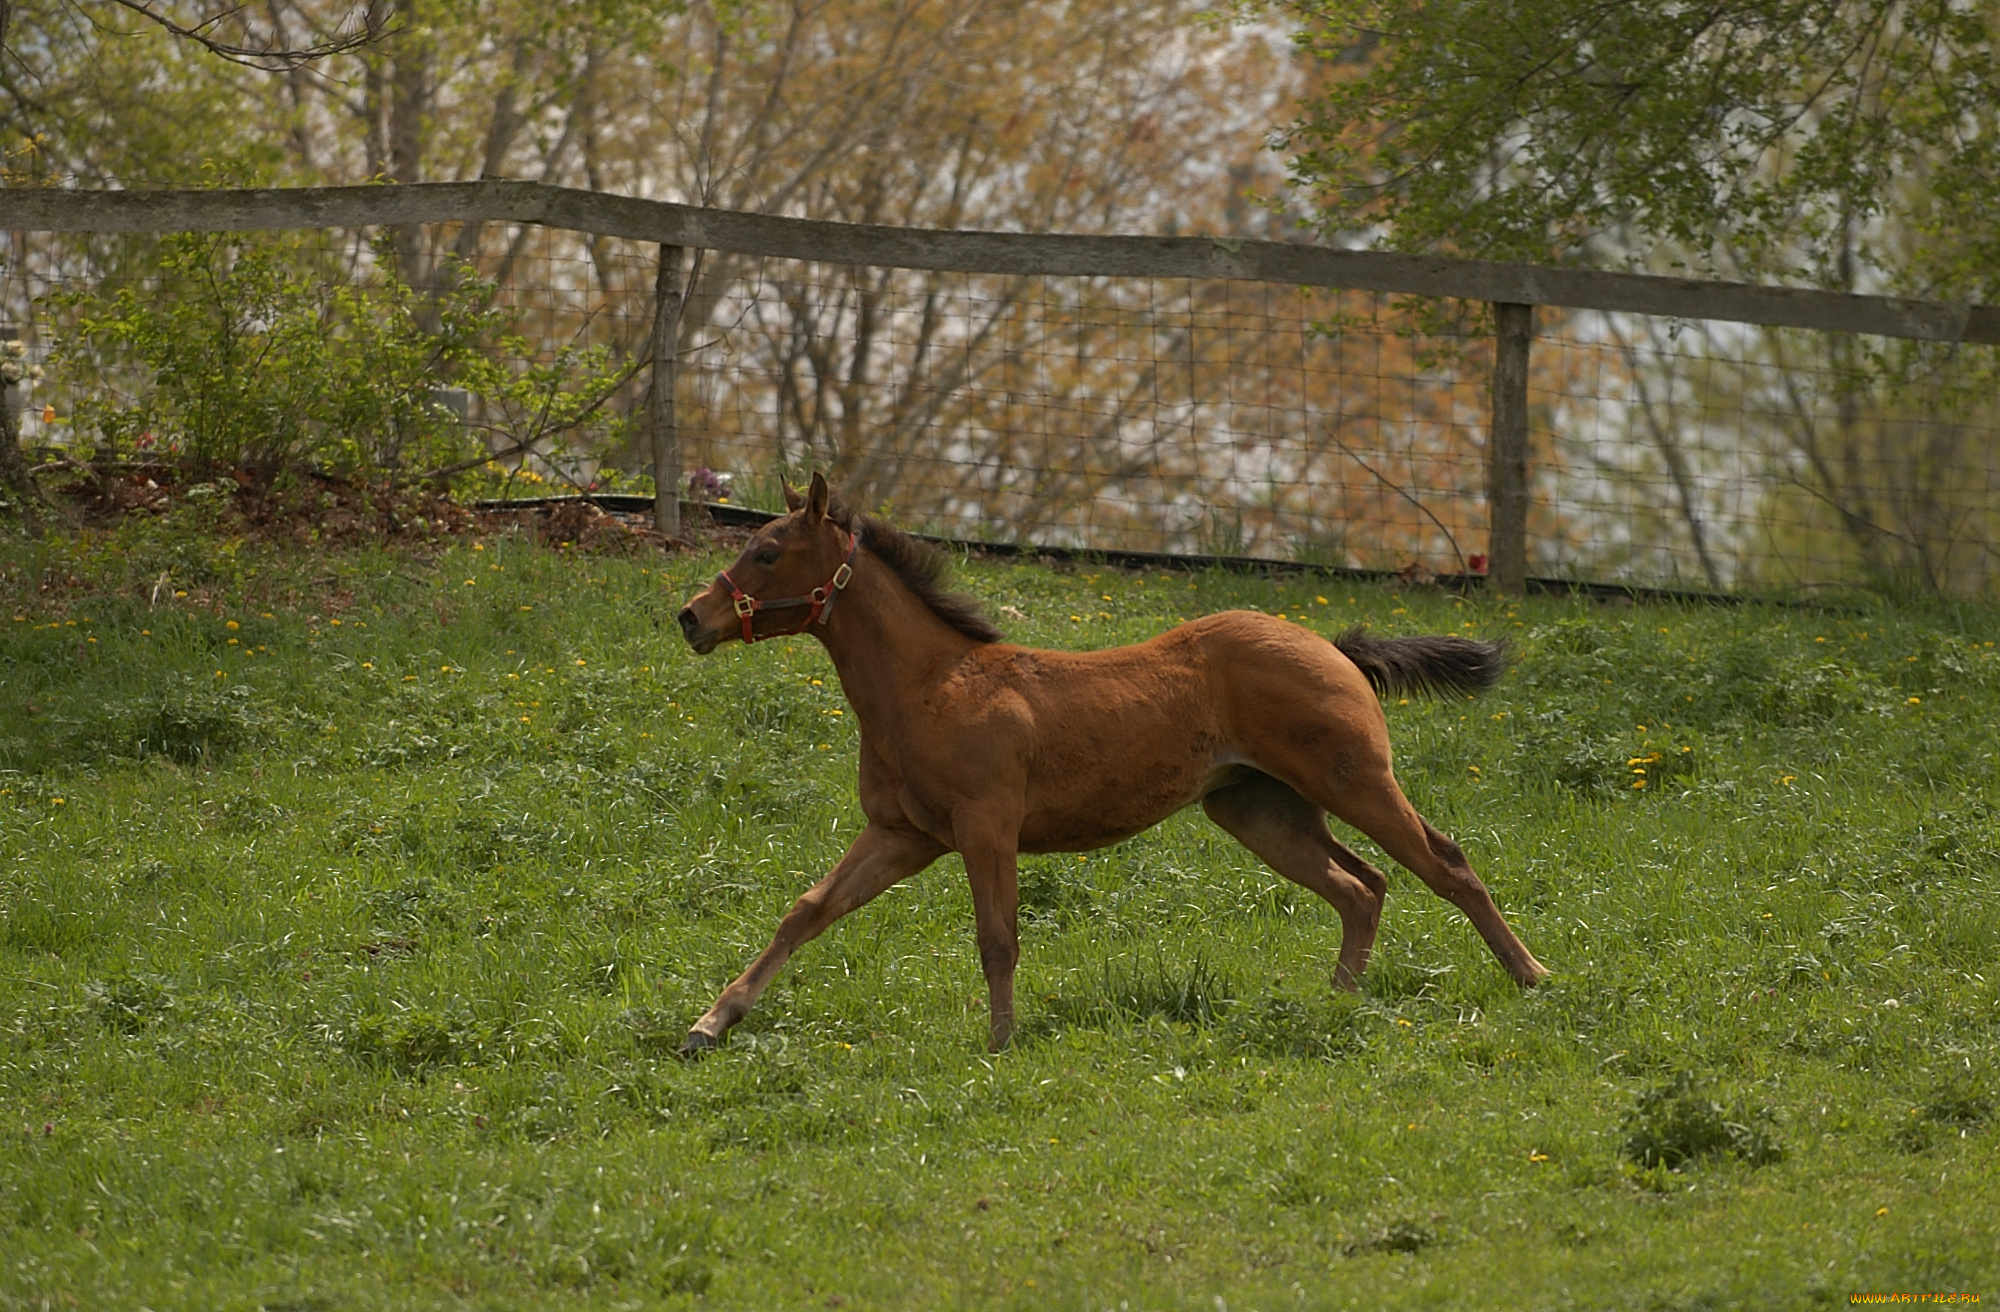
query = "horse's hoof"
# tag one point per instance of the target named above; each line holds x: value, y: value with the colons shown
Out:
x: 697, y: 1045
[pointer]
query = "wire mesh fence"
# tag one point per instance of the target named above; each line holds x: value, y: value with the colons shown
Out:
x: 1203, y: 415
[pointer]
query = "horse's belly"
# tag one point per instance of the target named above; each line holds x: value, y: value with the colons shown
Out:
x: 1081, y: 814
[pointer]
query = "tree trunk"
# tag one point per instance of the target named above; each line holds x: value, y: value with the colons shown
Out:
x: 17, y: 485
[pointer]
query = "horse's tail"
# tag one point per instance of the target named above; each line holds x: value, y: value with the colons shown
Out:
x: 1440, y: 666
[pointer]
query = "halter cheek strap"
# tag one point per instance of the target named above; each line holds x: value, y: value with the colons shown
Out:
x: 819, y: 601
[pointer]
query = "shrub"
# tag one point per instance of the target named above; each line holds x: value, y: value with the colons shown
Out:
x: 263, y: 353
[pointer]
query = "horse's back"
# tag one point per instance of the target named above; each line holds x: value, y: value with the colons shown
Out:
x: 1220, y: 676
x: 1117, y: 739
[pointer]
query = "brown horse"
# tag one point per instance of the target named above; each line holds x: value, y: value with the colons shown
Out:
x: 973, y: 745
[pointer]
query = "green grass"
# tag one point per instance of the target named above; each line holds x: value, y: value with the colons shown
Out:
x: 342, y: 966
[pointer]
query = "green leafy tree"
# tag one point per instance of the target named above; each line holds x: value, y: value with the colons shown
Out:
x: 1846, y: 144
x: 1833, y: 141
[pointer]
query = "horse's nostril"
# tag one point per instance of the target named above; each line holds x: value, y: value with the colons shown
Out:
x: 688, y: 623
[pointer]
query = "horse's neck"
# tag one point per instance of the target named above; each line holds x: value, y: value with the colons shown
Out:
x: 887, y: 645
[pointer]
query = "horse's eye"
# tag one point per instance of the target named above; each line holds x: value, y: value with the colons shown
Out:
x: 767, y: 558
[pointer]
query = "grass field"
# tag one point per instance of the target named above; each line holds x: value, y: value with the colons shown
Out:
x: 355, y: 902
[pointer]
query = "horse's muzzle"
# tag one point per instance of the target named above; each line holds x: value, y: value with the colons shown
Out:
x: 703, y: 643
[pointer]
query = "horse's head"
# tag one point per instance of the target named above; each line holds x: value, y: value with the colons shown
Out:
x: 787, y: 578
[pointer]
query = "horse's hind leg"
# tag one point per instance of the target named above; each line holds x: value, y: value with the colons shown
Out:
x: 1378, y: 809
x: 1290, y: 834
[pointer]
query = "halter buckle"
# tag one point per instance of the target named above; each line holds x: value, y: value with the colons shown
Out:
x: 744, y: 605
x: 841, y: 575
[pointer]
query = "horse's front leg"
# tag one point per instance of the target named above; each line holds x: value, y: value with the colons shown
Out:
x: 990, y: 865
x: 879, y: 858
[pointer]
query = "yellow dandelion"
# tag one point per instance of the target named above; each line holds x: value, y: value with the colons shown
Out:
x: 234, y: 625
x: 1916, y: 701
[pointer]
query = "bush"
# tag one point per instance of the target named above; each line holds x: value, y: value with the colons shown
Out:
x: 263, y: 353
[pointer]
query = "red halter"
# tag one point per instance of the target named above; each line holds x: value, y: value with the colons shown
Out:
x: 820, y: 599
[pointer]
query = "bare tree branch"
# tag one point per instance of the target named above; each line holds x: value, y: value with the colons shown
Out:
x: 270, y: 56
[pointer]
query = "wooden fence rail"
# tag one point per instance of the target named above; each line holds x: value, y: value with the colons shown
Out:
x: 1511, y: 288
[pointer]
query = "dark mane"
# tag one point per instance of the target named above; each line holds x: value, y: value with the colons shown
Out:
x: 924, y: 568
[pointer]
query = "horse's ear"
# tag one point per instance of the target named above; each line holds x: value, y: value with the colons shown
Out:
x: 817, y: 497
x: 793, y: 497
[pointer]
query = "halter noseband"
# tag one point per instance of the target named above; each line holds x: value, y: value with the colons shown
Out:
x: 820, y: 599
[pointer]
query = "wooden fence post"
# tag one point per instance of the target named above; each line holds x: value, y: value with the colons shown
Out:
x: 663, y: 428
x: 1507, y: 450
